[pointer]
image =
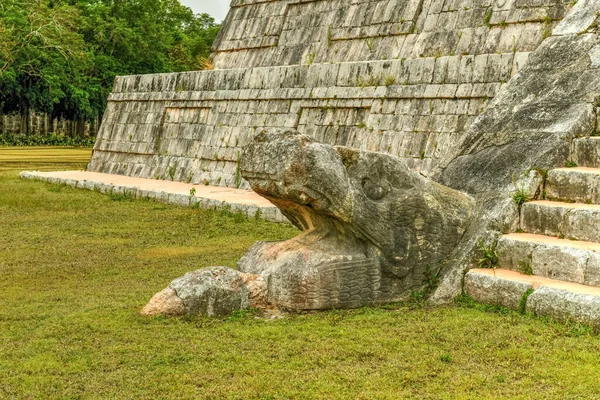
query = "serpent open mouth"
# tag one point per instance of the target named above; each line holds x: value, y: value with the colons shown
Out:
x: 364, y: 218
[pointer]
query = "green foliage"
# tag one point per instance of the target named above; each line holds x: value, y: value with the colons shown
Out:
x: 520, y: 197
x: 489, y: 257
x: 389, y: 80
x: 51, y: 140
x: 487, y: 18
x: 122, y: 196
x: 570, y: 164
x: 61, y: 57
x: 523, y: 302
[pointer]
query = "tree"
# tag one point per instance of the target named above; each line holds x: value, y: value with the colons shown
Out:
x: 61, y: 56
x: 43, y: 51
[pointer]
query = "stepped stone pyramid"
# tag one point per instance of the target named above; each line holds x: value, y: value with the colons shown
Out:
x: 404, y: 77
x: 488, y: 98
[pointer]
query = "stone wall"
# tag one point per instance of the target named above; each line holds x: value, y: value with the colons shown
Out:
x: 288, y: 32
x: 400, y: 77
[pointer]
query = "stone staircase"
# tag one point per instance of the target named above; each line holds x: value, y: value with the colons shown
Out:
x: 552, y: 266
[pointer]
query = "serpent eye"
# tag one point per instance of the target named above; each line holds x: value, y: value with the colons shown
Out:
x: 374, y: 190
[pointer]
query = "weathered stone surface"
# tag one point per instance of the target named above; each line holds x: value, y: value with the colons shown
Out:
x: 586, y: 151
x: 257, y: 290
x: 574, y: 184
x: 215, y: 291
x: 165, y: 303
x: 563, y: 259
x: 372, y: 228
x: 565, y: 305
x: 495, y: 290
x: 573, y: 221
x: 581, y: 17
x: 402, y: 77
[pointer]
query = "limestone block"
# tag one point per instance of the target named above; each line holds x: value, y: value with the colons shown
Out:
x: 216, y: 291
x: 580, y: 221
x: 574, y: 184
x: 565, y: 305
x: 489, y: 289
x: 586, y: 151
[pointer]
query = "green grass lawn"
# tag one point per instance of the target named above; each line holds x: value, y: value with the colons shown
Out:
x: 77, y: 266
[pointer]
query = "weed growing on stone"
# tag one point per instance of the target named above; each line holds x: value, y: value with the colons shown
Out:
x: 520, y: 197
x: 489, y: 257
x: 570, y: 164
x: 487, y: 18
x: 370, y: 42
x: 389, y: 80
x: 523, y: 302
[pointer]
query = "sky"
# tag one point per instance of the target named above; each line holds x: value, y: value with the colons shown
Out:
x: 216, y: 8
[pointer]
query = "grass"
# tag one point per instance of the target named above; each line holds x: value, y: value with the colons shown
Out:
x: 77, y: 266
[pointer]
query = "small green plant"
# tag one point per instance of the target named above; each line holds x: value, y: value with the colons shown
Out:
x: 389, y: 80
x: 523, y: 302
x: 368, y: 81
x: 570, y: 164
x: 446, y: 358
x: 432, y: 279
x: 489, y: 257
x: 193, y: 192
x: 487, y: 18
x: 310, y: 58
x: 418, y: 298
x: 520, y: 197
x: 370, y: 44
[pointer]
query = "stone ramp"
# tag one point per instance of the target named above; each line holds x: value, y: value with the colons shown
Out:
x: 179, y: 193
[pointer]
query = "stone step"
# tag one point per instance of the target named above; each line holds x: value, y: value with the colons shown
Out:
x: 581, y: 184
x: 534, y: 294
x: 550, y: 257
x: 586, y: 152
x: 574, y: 221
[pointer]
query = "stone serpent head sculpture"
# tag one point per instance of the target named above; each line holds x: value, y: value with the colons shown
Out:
x: 373, y: 231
